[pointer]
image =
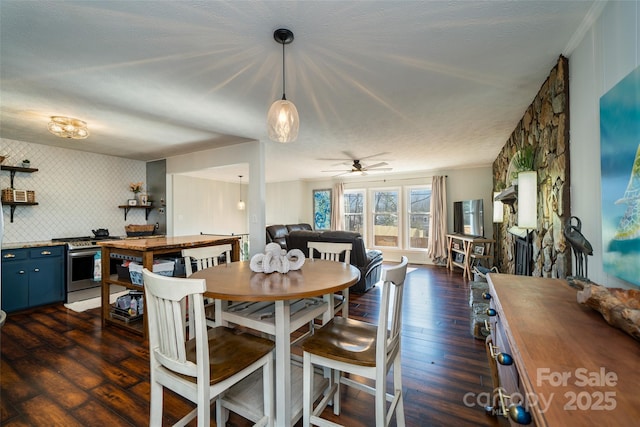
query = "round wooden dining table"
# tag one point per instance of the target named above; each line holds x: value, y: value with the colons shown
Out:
x: 236, y: 282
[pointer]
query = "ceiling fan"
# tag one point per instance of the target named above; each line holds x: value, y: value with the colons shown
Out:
x: 358, y: 167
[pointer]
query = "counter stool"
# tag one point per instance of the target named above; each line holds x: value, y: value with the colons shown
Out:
x: 203, y: 368
x: 333, y: 251
x: 208, y: 256
x: 361, y: 349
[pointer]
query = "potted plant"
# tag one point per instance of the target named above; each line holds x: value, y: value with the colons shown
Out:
x: 522, y: 161
x: 136, y: 189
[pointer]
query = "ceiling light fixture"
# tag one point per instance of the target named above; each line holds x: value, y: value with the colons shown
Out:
x: 241, y: 204
x: 282, y: 119
x: 68, y: 127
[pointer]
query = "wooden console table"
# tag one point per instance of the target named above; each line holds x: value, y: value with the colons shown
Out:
x: 465, y: 251
x: 571, y: 367
x: 147, y: 250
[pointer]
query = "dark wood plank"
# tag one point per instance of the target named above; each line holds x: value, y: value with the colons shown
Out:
x: 59, y: 367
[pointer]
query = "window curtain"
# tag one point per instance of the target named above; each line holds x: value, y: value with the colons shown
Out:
x: 337, y: 207
x: 437, y: 249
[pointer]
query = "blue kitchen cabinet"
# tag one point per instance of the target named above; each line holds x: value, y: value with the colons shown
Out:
x: 32, y: 277
x: 15, y: 280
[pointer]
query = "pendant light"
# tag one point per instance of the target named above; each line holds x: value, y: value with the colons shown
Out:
x: 282, y: 119
x: 241, y: 204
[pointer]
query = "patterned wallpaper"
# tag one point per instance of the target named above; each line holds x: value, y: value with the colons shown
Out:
x: 76, y: 192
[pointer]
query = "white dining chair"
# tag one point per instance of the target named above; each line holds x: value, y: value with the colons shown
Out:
x: 203, y: 368
x: 208, y: 256
x: 205, y: 257
x: 361, y: 349
x: 339, y: 252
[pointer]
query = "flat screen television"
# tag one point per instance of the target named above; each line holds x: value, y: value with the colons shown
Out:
x: 468, y: 217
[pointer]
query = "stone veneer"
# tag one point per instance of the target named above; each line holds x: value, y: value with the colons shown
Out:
x: 545, y: 126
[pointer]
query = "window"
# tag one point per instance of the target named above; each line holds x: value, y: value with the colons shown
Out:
x: 354, y: 211
x: 385, y: 218
x: 418, y: 211
x: 393, y: 218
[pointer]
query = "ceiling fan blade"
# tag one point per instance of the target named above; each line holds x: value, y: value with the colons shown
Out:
x: 369, y: 157
x: 377, y: 165
x: 349, y: 155
x: 338, y: 170
x: 379, y: 170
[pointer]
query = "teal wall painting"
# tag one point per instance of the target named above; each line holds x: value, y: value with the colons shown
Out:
x: 620, y: 171
x: 322, y: 209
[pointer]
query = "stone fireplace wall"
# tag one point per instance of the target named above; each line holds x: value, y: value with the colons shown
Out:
x: 545, y: 127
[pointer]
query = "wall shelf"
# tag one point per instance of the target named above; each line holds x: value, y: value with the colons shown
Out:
x: 508, y: 196
x: 127, y: 208
x: 14, y: 204
x: 12, y: 170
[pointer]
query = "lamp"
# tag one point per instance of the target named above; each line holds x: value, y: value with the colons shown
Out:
x: 282, y: 119
x: 498, y: 209
x: 241, y: 204
x: 528, y: 200
x: 68, y: 127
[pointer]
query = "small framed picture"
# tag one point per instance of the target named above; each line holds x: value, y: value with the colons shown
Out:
x: 132, y: 202
x: 20, y: 196
x: 478, y: 250
x: 459, y: 257
x: 456, y: 246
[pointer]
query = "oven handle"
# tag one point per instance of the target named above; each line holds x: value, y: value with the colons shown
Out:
x: 83, y: 252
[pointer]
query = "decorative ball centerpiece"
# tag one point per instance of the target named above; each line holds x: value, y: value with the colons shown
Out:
x: 276, y: 259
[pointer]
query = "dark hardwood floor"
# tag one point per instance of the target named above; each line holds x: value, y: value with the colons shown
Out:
x: 60, y: 368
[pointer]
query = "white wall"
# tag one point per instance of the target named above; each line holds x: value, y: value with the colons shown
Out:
x: 207, y: 206
x: 286, y: 203
x: 608, y: 52
x: 76, y: 192
x: 253, y: 154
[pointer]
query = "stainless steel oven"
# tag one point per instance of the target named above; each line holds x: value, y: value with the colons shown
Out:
x: 80, y: 269
x: 81, y: 255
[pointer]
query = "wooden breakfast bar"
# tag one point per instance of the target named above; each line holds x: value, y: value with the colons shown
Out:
x: 148, y: 249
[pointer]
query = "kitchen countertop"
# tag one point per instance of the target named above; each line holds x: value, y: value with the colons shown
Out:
x: 37, y: 244
x: 25, y: 245
x: 159, y: 242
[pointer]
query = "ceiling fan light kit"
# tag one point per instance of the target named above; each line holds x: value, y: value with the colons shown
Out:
x: 359, y: 168
x: 283, y: 121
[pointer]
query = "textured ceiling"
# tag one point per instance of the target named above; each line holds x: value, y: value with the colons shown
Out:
x: 422, y: 85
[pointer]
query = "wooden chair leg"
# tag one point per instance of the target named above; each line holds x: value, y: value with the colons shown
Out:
x: 268, y: 390
x: 307, y: 404
x: 204, y: 406
x: 345, y: 304
x: 381, y: 402
x: 336, y: 374
x: 155, y: 414
x: 397, y: 385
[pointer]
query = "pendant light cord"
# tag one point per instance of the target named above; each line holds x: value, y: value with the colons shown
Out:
x: 283, y: 80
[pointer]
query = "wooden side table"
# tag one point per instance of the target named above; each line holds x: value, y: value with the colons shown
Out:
x: 467, y: 251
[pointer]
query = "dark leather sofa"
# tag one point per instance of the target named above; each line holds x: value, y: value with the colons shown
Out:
x: 369, y: 262
x: 278, y: 233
